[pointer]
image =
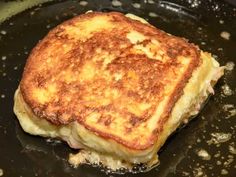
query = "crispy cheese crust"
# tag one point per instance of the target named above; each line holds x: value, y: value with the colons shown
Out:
x: 119, y: 86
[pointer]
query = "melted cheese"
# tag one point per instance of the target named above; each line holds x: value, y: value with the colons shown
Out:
x: 77, y: 136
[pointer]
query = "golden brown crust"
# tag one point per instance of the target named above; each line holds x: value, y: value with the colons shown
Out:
x: 100, y: 79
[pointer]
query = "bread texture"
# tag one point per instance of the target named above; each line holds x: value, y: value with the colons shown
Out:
x: 113, y: 84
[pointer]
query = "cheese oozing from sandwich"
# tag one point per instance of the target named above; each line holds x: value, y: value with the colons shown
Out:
x: 114, y: 86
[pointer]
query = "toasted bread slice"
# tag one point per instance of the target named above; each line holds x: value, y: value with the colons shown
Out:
x: 112, y: 84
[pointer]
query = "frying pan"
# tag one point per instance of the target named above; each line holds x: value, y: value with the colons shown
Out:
x: 205, y: 147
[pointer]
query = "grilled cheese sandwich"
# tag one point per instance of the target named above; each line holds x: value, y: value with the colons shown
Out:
x: 114, y: 85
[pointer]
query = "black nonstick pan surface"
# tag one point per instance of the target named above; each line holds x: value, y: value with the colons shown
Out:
x: 205, y: 147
